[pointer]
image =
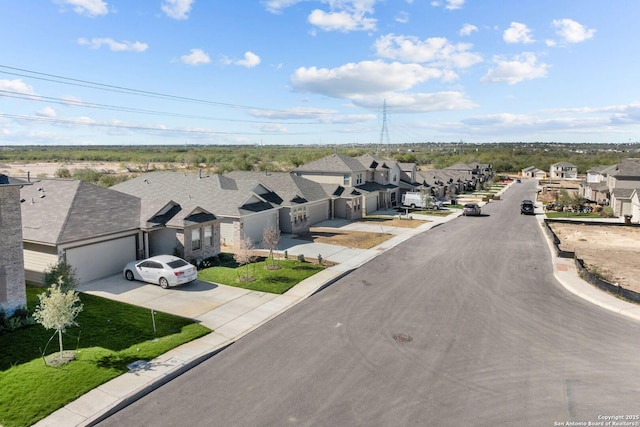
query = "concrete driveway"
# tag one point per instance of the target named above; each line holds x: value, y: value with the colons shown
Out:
x: 191, y: 300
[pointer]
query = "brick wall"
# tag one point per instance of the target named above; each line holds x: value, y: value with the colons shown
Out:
x: 12, y: 285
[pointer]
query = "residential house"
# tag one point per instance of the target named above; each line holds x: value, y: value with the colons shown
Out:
x: 563, y: 170
x: 192, y: 214
x: 343, y: 177
x: 595, y: 187
x: 12, y: 280
x: 383, y: 178
x: 94, y: 229
x: 621, y: 181
x: 533, y: 172
x: 303, y: 202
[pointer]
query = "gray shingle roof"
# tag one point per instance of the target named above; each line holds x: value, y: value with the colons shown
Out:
x: 338, y: 163
x: 61, y: 211
x: 289, y: 187
x: 216, y: 194
x: 627, y: 168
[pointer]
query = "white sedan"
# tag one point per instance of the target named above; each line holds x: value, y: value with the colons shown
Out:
x: 163, y: 270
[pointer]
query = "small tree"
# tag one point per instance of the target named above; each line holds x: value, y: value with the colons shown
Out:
x: 62, y: 274
x: 270, y: 239
x: 243, y: 255
x: 58, y: 310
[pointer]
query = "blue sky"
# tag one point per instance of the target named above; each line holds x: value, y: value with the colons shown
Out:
x: 96, y: 72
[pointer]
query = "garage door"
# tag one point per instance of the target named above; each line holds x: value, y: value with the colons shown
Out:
x: 318, y: 212
x: 101, y: 259
x: 254, y: 225
x: 372, y: 203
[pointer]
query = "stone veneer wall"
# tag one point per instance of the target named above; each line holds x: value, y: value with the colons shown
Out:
x: 12, y: 284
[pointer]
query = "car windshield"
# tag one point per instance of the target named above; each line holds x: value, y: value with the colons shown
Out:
x: 177, y: 263
x: 470, y: 206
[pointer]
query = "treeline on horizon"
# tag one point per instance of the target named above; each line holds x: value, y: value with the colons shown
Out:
x: 504, y: 157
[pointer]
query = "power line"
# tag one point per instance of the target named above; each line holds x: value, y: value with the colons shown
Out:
x: 41, y: 98
x: 139, y: 127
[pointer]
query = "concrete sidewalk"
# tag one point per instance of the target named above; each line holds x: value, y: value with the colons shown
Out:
x: 230, y: 312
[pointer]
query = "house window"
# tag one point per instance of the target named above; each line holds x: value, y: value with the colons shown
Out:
x: 359, y: 179
x: 195, y: 239
x: 395, y: 177
x: 208, y: 235
x: 346, y: 179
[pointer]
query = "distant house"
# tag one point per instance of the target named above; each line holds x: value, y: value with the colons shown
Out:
x: 12, y: 280
x: 622, y: 180
x: 533, y: 172
x: 563, y: 170
x: 95, y: 229
x: 635, y: 206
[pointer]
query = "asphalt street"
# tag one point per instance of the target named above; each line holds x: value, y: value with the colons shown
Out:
x: 462, y: 325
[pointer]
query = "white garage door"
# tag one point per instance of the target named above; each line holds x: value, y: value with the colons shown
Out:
x: 372, y: 203
x: 254, y: 225
x: 101, y: 259
x: 318, y: 212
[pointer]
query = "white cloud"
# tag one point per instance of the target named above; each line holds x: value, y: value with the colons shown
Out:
x: 368, y: 83
x: 276, y: 6
x: 250, y: 60
x: 454, y: 4
x: 522, y: 67
x: 16, y: 85
x: 177, y: 9
x: 47, y: 112
x: 367, y: 77
x: 341, y: 21
x: 402, y: 17
x: 467, y: 29
x: 123, y: 46
x: 435, y: 50
x: 517, y: 33
x: 86, y: 7
x: 571, y: 31
x: 417, y: 102
x: 197, y: 56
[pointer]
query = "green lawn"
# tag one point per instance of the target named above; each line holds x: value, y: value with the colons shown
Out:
x: 572, y: 215
x: 110, y: 336
x: 290, y: 273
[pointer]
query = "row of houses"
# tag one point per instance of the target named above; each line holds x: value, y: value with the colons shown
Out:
x: 615, y: 185
x: 195, y: 215
x: 618, y: 185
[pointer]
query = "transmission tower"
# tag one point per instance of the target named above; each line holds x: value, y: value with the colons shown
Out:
x: 384, y: 132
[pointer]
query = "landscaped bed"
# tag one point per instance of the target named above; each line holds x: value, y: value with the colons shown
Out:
x: 110, y: 336
x: 389, y: 221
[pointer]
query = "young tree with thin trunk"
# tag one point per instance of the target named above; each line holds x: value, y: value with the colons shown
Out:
x: 243, y: 255
x: 270, y: 239
x: 58, y: 310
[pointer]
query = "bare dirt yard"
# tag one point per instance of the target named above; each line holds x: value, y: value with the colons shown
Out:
x: 351, y: 239
x: 613, y: 251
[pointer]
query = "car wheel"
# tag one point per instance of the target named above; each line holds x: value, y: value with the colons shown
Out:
x: 128, y: 275
x: 413, y: 206
x: 164, y: 284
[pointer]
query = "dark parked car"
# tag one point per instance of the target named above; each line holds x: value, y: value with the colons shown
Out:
x: 527, y: 207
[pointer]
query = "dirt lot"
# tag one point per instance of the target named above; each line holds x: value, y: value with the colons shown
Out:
x: 614, y: 250
x: 351, y: 239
